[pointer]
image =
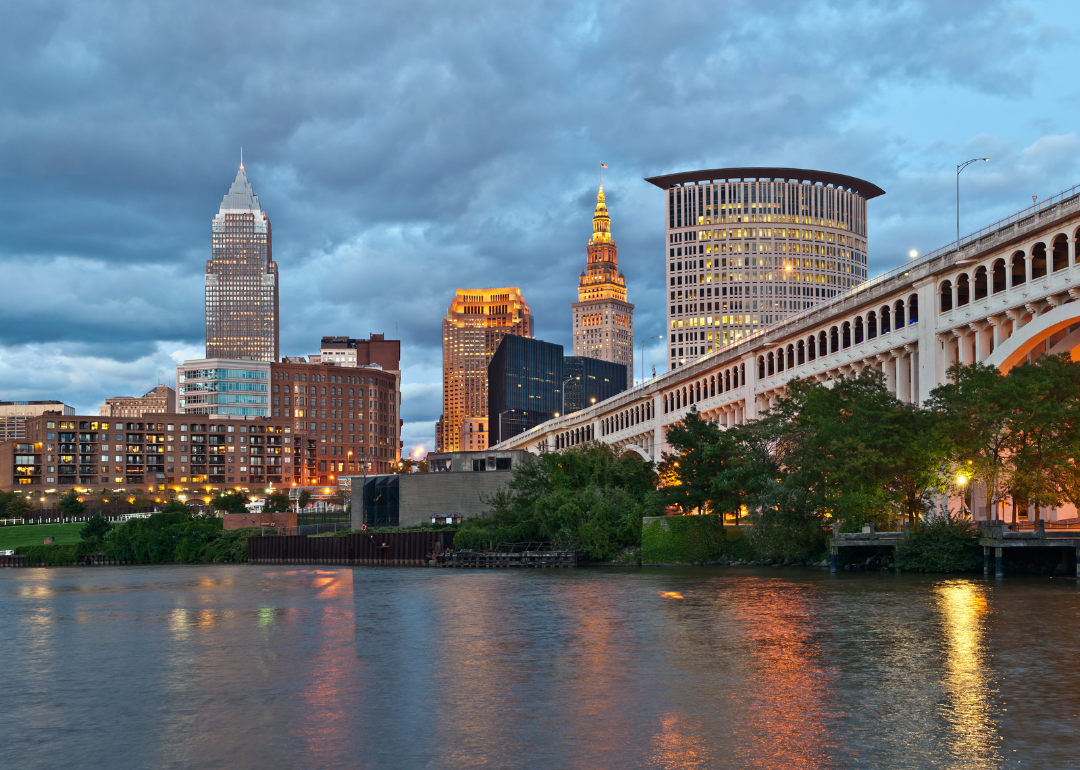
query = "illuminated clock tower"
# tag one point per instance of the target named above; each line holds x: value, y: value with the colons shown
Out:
x: 603, y: 319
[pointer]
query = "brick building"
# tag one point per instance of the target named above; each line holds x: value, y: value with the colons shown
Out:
x: 160, y: 400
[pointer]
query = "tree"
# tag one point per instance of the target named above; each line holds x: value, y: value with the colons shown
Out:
x: 687, y: 475
x: 96, y: 528
x: 277, y: 502
x: 975, y: 413
x: 231, y: 502
x: 19, y: 508
x: 5, y: 498
x: 590, y: 497
x: 304, y: 498
x: 1045, y: 427
x: 176, y: 506
x: 71, y: 504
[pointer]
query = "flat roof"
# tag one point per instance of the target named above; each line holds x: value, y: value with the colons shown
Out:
x: 856, y: 185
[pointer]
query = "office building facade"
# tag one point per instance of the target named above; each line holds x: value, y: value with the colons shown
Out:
x: 474, y: 325
x: 524, y: 385
x: 160, y: 400
x: 348, y: 417
x: 603, y: 319
x: 241, y: 292
x: 589, y: 381
x: 748, y: 247
x: 14, y: 414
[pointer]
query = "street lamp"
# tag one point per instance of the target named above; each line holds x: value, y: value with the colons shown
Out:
x: 508, y: 411
x: 960, y: 168
x: 962, y: 480
x: 643, y: 344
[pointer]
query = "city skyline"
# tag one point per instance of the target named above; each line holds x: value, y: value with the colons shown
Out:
x: 109, y: 189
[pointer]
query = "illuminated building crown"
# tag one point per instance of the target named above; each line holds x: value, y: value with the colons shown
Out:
x: 601, y: 222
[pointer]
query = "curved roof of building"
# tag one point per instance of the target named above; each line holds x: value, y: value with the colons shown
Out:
x: 860, y: 186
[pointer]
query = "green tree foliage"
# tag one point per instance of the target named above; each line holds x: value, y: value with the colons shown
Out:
x: 277, y: 502
x: 175, y: 506
x: 703, y: 452
x: 231, y: 502
x: 177, y: 537
x: 18, y: 508
x: 1018, y: 433
x: 5, y: 498
x: 304, y: 498
x: 71, y: 504
x: 97, y: 528
x: 589, y: 497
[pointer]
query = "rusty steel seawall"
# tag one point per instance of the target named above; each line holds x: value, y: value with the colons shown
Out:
x: 363, y: 548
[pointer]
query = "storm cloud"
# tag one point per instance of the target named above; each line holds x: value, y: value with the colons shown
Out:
x: 403, y: 150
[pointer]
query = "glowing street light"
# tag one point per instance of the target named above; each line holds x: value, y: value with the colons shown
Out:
x: 913, y: 253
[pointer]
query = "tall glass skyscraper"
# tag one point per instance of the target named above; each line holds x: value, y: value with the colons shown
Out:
x: 241, y: 280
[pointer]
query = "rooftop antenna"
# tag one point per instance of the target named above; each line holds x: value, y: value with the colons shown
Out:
x: 241, y: 157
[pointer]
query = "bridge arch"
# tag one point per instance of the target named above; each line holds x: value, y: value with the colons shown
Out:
x: 1036, y: 332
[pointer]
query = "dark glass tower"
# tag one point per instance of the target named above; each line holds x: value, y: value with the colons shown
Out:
x: 241, y: 280
x: 524, y: 380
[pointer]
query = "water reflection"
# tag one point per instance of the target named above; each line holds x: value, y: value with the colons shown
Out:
x: 973, y: 736
x: 370, y: 667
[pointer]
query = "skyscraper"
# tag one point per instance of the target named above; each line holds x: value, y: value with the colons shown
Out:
x: 475, y: 324
x: 787, y: 239
x: 603, y: 319
x: 241, y: 280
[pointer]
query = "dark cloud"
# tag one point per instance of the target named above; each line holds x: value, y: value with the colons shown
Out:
x: 405, y: 149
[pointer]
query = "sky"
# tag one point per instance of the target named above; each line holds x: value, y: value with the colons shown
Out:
x: 403, y: 150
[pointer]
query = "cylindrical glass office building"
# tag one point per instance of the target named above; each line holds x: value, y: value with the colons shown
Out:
x: 747, y: 247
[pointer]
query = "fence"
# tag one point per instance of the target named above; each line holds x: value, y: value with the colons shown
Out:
x: 52, y: 516
x: 362, y: 548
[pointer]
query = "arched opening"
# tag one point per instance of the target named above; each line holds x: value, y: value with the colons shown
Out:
x: 791, y: 356
x: 860, y: 333
x: 871, y: 325
x: 801, y: 354
x: 1038, y: 261
x: 1019, y: 269
x: 999, y: 275
x: 898, y: 315
x: 847, y: 335
x: 811, y: 348
x: 780, y: 360
x: 712, y: 386
x: 886, y: 324
x: 823, y: 344
x: 772, y: 370
x: 1061, y: 253
x: 834, y: 340
x: 963, y: 290
x: 980, y: 283
x: 727, y: 380
x: 761, y: 367
x: 946, y: 296
x: 913, y: 309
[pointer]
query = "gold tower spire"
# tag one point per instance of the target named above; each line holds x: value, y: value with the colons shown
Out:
x: 601, y: 222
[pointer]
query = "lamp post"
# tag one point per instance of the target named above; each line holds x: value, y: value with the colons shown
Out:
x: 962, y: 480
x: 643, y: 344
x: 508, y: 411
x: 960, y: 168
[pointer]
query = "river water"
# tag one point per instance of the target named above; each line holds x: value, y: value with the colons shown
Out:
x: 245, y: 666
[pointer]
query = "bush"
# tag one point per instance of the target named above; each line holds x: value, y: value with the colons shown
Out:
x: 944, y: 544
x: 178, y: 537
x: 51, y: 555
x: 18, y: 508
x: 684, y: 539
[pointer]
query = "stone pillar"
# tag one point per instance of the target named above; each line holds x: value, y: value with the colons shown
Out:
x: 986, y: 561
x: 999, y: 571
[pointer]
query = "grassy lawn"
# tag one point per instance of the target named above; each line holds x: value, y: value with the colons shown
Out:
x: 35, y: 534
